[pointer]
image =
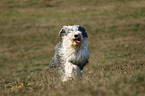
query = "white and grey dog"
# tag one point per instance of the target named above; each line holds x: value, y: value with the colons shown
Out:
x: 71, y: 53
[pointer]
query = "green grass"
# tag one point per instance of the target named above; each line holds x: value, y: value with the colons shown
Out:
x: 29, y: 31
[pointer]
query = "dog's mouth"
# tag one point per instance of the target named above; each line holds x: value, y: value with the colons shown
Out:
x: 77, y: 41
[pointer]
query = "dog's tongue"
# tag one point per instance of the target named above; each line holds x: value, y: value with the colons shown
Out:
x: 78, y: 41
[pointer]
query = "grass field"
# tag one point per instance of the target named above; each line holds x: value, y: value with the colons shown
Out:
x: 29, y: 31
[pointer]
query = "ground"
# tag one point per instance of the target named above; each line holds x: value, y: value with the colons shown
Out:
x: 29, y: 31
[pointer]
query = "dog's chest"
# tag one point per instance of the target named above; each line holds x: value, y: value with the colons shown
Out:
x: 78, y: 57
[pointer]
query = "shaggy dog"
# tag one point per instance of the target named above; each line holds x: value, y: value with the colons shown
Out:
x: 71, y: 53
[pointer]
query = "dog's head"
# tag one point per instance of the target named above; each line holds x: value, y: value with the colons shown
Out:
x: 74, y: 35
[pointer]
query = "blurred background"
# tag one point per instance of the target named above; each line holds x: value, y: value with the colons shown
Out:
x: 29, y: 31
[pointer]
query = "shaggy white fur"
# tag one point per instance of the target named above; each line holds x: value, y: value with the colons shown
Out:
x: 72, y: 52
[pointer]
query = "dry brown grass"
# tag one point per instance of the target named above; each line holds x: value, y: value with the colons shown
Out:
x: 29, y: 31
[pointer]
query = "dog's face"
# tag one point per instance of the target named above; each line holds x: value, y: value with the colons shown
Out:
x: 73, y: 35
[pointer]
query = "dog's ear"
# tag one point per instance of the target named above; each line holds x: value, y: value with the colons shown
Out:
x: 62, y: 32
x: 82, y: 29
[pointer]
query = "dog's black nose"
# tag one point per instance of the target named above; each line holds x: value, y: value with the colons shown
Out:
x: 76, y: 36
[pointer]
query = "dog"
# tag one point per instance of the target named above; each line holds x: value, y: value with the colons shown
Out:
x: 71, y: 53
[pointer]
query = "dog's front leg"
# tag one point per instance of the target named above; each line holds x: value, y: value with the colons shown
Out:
x: 71, y: 71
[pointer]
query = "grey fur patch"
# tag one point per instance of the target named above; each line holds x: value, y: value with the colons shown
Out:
x: 56, y: 61
x: 81, y: 65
